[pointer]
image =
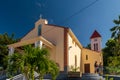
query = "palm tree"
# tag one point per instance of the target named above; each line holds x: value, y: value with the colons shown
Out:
x: 39, y: 61
x: 116, y: 35
x: 35, y: 59
x: 30, y: 59
x: 54, y: 69
x: 14, y: 64
x: 116, y: 29
x: 42, y: 62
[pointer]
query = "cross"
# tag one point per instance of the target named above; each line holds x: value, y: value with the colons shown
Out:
x: 40, y: 16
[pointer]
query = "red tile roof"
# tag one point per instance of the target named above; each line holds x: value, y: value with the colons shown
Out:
x: 95, y: 34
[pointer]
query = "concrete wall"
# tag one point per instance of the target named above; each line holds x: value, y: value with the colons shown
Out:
x: 92, y: 57
x: 73, y: 50
x: 56, y: 36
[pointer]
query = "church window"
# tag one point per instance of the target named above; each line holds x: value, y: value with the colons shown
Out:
x: 39, y: 29
x: 95, y: 39
x: 96, y: 46
x: 75, y: 60
x: 86, y: 57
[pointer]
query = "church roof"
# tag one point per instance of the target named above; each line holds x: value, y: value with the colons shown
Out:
x: 95, y: 34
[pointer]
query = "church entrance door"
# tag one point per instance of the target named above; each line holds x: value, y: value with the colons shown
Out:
x: 87, y: 68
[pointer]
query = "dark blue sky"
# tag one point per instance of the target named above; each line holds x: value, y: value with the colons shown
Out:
x: 19, y: 16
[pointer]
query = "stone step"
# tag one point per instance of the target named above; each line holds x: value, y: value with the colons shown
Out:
x: 91, y: 76
x: 74, y: 78
x: 62, y: 76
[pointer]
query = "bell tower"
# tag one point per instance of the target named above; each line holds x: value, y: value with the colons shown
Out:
x: 96, y: 41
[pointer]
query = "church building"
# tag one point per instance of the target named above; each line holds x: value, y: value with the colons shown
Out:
x: 65, y: 49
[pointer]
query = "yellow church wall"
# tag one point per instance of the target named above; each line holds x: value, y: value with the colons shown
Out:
x: 73, y: 50
x: 52, y: 53
x: 53, y: 34
x: 30, y: 35
x: 56, y: 36
x: 89, y: 57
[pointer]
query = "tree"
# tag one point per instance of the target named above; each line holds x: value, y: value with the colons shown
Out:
x: 116, y: 29
x: 5, y: 39
x: 108, y: 51
x: 30, y: 59
x: 15, y: 63
x: 39, y: 58
x: 88, y: 46
x: 35, y: 59
x: 42, y: 62
x: 54, y: 69
x: 111, y: 53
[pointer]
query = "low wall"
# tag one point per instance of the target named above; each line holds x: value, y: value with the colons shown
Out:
x: 115, y: 77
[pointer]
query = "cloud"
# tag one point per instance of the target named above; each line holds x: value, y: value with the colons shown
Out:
x: 39, y: 4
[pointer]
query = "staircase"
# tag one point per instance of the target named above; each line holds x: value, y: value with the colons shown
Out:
x: 91, y: 76
x: 62, y: 76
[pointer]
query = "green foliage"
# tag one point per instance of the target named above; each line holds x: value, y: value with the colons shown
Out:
x: 74, y: 69
x: 14, y: 63
x: 113, y: 70
x: 5, y: 39
x: 114, y: 61
x: 54, y: 69
x: 116, y: 29
x: 1, y: 68
x: 108, y: 51
x: 111, y: 79
x: 111, y: 53
x: 34, y: 59
x: 88, y: 46
x: 106, y: 77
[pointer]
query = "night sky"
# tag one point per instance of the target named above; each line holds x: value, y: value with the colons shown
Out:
x: 82, y: 16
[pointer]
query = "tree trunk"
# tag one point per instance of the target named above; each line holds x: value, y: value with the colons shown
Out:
x: 32, y: 73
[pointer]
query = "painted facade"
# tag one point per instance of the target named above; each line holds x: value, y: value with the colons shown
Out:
x: 88, y: 59
x: 65, y: 49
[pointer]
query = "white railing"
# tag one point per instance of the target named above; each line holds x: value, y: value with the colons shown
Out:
x: 17, y: 77
x: 22, y: 77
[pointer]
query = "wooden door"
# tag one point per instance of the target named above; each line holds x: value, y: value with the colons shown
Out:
x: 87, y: 68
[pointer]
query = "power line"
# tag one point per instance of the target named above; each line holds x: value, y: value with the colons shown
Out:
x: 81, y: 10
x: 74, y: 14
